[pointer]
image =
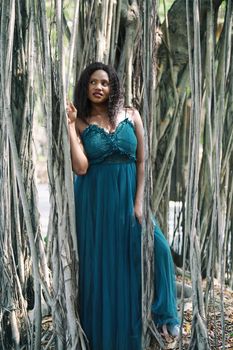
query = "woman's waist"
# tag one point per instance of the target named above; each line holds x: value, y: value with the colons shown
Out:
x: 114, y: 158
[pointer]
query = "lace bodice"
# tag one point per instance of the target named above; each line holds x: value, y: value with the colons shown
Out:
x: 102, y: 146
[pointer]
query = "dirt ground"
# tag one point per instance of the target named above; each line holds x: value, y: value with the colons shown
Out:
x: 213, y: 319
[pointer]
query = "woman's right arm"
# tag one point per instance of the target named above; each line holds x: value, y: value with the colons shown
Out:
x: 78, y: 157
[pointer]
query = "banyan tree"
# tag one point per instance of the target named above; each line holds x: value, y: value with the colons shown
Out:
x: 178, y: 73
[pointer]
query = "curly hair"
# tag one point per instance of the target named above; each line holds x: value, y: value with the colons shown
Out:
x: 115, y: 100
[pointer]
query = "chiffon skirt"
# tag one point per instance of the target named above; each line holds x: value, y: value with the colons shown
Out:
x: 109, y: 243
x: 164, y: 308
x: 109, y: 240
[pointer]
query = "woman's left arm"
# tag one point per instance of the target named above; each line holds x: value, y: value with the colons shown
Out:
x: 138, y: 204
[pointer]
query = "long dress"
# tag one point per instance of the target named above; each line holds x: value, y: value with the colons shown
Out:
x: 109, y: 241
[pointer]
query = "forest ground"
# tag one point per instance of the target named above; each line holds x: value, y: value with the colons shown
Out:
x: 215, y: 329
x: 213, y: 322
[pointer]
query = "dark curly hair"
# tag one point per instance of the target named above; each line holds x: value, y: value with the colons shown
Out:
x: 115, y: 100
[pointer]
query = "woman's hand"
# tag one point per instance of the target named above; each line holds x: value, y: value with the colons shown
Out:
x: 71, y: 113
x: 78, y: 157
x: 138, y: 211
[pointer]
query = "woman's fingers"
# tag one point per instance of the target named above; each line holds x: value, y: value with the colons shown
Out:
x: 140, y: 219
x: 71, y: 112
x: 72, y: 106
x: 138, y: 216
x: 67, y: 106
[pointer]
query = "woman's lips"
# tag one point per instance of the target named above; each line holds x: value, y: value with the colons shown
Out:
x: 97, y: 94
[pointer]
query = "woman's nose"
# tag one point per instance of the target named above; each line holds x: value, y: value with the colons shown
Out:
x: 98, y: 85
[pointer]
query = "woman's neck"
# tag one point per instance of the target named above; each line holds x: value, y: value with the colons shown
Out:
x: 99, y: 110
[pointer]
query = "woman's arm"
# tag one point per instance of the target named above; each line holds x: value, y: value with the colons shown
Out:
x: 78, y: 157
x: 138, y: 205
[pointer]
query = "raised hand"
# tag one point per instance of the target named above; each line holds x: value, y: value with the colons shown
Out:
x: 71, y: 112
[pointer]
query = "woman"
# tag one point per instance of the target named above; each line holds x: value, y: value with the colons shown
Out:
x: 108, y: 156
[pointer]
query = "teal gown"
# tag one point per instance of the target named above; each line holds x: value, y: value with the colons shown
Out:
x: 109, y: 243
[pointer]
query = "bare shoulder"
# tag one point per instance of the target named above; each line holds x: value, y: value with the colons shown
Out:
x: 80, y: 125
x: 134, y: 115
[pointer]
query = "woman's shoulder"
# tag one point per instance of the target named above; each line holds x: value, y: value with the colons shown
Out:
x: 80, y: 125
x: 132, y: 113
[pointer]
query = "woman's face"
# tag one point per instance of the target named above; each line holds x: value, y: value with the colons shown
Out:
x: 98, y: 88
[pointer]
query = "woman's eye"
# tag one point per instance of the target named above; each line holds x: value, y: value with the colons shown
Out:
x: 103, y: 83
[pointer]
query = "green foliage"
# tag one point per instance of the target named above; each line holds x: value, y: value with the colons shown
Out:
x: 164, y: 5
